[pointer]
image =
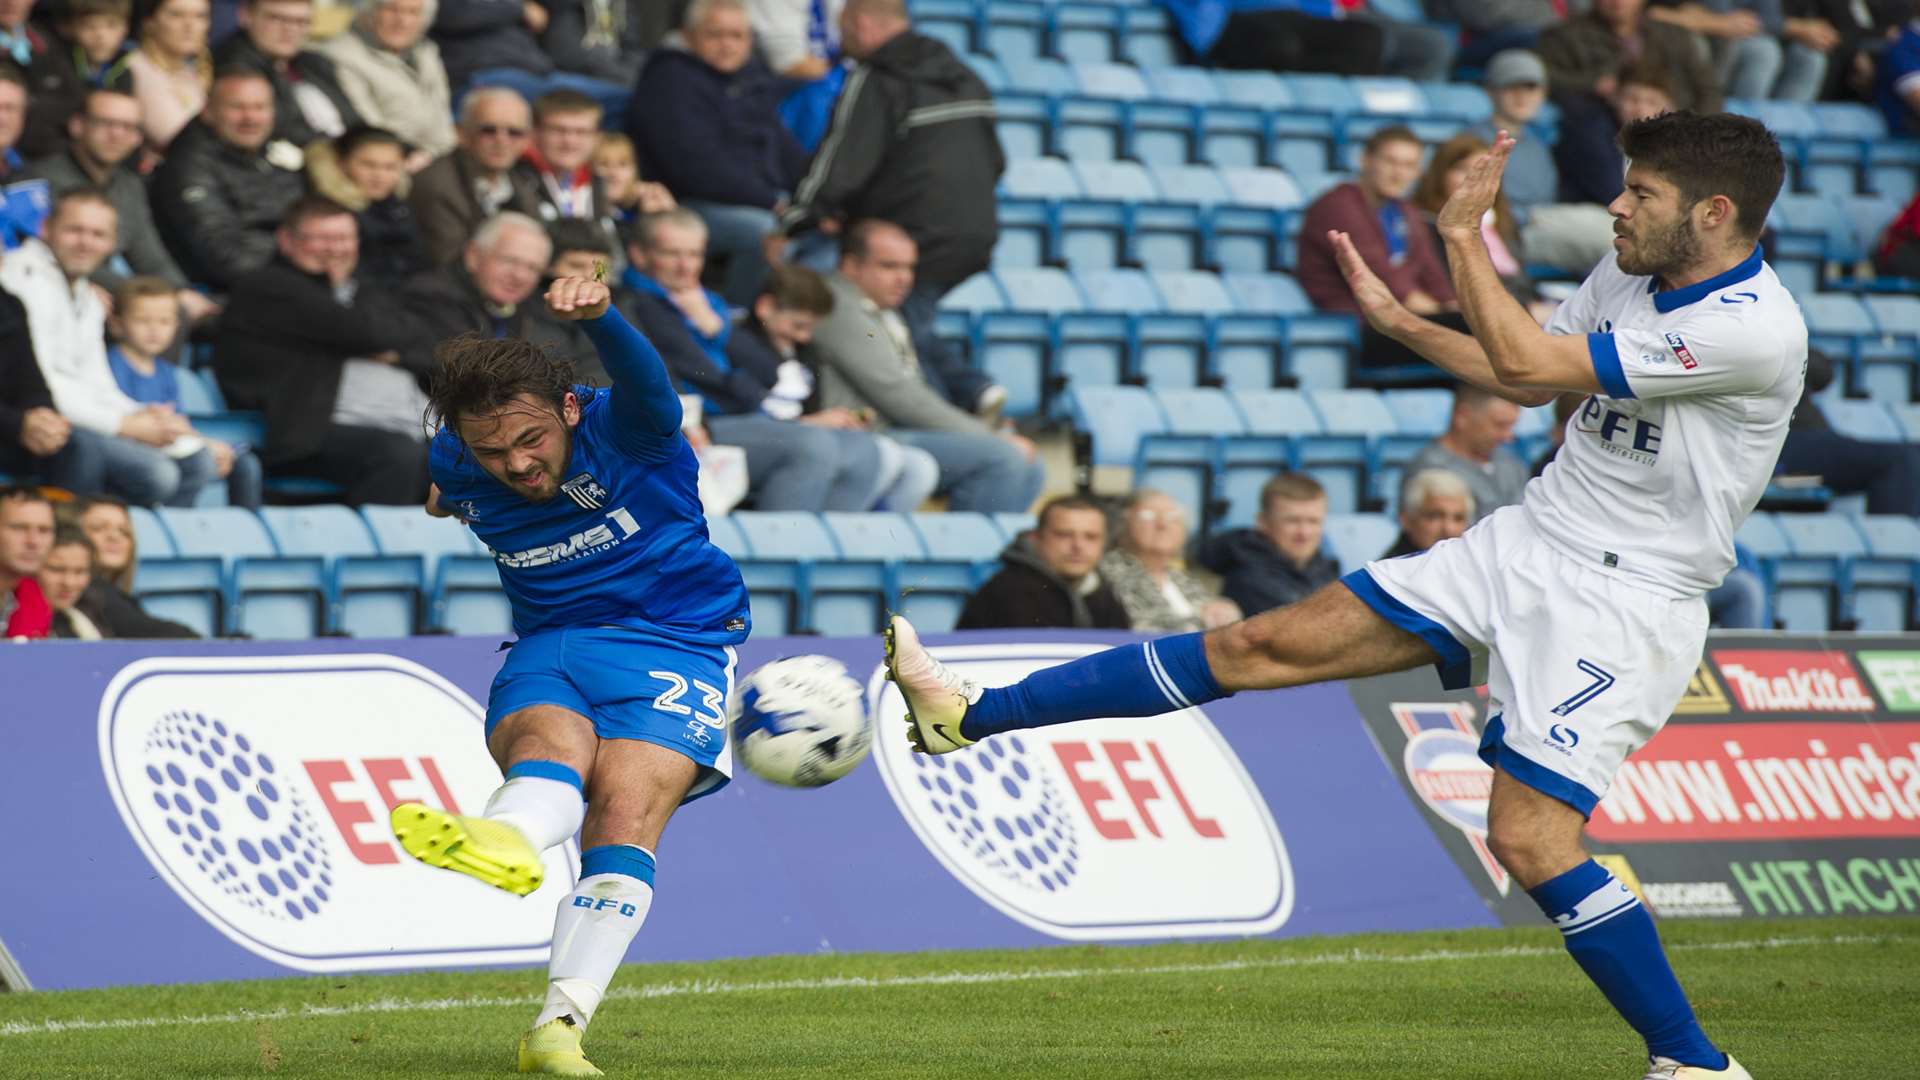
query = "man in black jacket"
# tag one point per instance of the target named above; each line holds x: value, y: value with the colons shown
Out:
x: 709, y: 129
x: 307, y: 100
x: 31, y: 431
x: 226, y: 183
x: 335, y: 367
x: 485, y: 292
x: 912, y: 142
x: 1050, y: 580
x: 1279, y: 560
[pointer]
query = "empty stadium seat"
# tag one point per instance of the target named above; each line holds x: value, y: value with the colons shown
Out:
x: 1146, y: 37
x: 831, y: 595
x: 369, y: 593
x: 1013, y: 29
x: 1186, y: 85
x: 1115, y: 420
x: 190, y: 590
x: 1030, y: 75
x: 1086, y: 33
x: 1024, y: 123
x: 268, y: 595
x: 951, y: 21
x: 957, y: 553
x: 888, y: 540
x: 1868, y: 421
x: 977, y: 293
x: 1885, y: 583
x: 1276, y: 421
x: 1320, y: 345
x: 1356, y: 539
x: 1809, y: 585
x: 1184, y: 460
x: 1353, y: 419
x: 463, y: 583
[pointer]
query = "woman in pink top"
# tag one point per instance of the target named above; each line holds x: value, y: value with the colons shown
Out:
x: 1499, y: 228
x: 172, y: 69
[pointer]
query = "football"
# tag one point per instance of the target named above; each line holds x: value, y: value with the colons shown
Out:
x: 801, y: 721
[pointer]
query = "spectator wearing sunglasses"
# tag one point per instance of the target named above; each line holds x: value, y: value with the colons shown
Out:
x: 475, y: 181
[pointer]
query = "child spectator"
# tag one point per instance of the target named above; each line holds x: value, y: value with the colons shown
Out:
x: 365, y: 171
x: 90, y: 52
x: 628, y: 196
x: 145, y: 321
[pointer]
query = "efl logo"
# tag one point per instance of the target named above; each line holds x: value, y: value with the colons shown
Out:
x: 1443, y: 764
x: 1768, y: 680
x: 1122, y: 828
x: 259, y: 789
x: 1680, y: 350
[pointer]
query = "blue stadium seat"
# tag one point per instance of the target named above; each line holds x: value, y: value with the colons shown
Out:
x: 989, y: 70
x: 776, y: 588
x: 838, y: 596
x: 1091, y: 129
x: 1024, y: 123
x: 1356, y: 539
x: 1186, y: 85
x: 1115, y: 419
x: 1115, y: 181
x: 1232, y: 135
x: 199, y: 394
x: 1907, y: 415
x: 1868, y: 421
x: 464, y: 594
x: 1031, y: 75
x: 1809, y: 586
x: 959, y: 551
x: 1167, y: 235
x: 1329, y: 95
x: 1806, y: 229
x: 1013, y: 29
x: 1201, y: 185
x: 1163, y: 346
x: 268, y: 595
x: 1886, y: 581
x: 1320, y: 345
x: 1843, y: 327
x: 1012, y: 525
x: 1016, y: 347
x: 977, y: 293
x: 887, y: 539
x: 1026, y: 233
x: 1386, y: 96
x: 190, y: 590
x: 1086, y: 33
x: 369, y: 594
x: 1039, y: 178
x: 1888, y: 360
x: 1463, y: 102
x: 1276, y: 422
x: 1146, y: 37
x: 1091, y: 234
x: 1162, y: 132
x: 955, y: 22
x: 1184, y: 461
x: 1112, y: 82
x: 1257, y: 232
x: 1254, y: 89
x: 1420, y: 412
x: 1360, y: 415
x: 1271, y: 188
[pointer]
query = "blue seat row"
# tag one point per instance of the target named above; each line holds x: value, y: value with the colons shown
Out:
x: 1019, y: 29
x: 1831, y: 571
x: 1040, y: 330
x: 1839, y: 147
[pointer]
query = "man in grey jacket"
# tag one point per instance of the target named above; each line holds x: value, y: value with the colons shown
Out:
x: 105, y: 133
x: 872, y: 361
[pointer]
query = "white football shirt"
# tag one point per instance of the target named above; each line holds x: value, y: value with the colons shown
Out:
x: 1660, y: 468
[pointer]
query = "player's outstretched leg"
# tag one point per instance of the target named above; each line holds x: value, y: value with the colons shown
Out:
x: 1329, y: 635
x: 537, y: 807
x: 1605, y: 927
x: 636, y: 787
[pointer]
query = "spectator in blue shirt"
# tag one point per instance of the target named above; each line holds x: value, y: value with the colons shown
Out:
x: 144, y: 324
x: 1896, y: 86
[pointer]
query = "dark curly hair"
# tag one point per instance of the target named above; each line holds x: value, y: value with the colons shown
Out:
x: 474, y: 375
x: 1718, y: 154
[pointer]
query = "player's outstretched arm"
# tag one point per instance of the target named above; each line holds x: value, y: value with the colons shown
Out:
x: 1448, y: 349
x: 1521, y: 354
x: 643, y: 393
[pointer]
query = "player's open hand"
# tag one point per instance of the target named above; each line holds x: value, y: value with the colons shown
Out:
x: 1475, y: 195
x: 1376, y: 301
x: 578, y: 298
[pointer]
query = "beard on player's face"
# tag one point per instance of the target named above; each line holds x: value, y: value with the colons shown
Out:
x: 1655, y: 250
x: 537, y: 445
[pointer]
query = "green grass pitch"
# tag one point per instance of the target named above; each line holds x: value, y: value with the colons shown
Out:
x: 1791, y: 999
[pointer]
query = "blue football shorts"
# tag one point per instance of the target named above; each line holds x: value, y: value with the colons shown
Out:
x: 632, y: 685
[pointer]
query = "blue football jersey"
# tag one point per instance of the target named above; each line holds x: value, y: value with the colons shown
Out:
x: 624, y: 543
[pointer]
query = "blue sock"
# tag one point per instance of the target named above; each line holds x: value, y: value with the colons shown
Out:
x: 1613, y: 939
x: 1133, y: 680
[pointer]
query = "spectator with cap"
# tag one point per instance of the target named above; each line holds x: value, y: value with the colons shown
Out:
x: 475, y: 180
x: 1372, y: 210
x: 1053, y: 578
x: 146, y: 453
x: 1474, y: 447
x: 391, y: 74
x: 792, y: 464
x: 1143, y: 570
x: 1584, y: 55
x: 559, y: 164
x: 365, y: 171
x: 872, y: 359
x: 710, y: 131
x: 172, y: 69
x: 913, y: 143
x: 26, y: 532
x: 308, y: 102
x: 1568, y: 236
x: 334, y: 366
x: 89, y: 52
x: 105, y: 135
x: 226, y: 183
x: 1279, y: 560
x: 1435, y: 505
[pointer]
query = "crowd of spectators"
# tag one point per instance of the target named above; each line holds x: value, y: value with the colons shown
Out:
x: 303, y: 201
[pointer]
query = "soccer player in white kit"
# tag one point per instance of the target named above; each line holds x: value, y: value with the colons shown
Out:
x: 1583, y: 608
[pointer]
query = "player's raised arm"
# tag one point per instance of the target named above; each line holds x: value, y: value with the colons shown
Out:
x: 1521, y: 355
x: 643, y: 393
x: 1448, y: 349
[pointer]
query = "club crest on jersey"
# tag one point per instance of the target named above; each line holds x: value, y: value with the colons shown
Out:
x: 585, y: 491
x: 1680, y: 350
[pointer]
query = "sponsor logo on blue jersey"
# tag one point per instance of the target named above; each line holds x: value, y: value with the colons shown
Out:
x: 588, y: 542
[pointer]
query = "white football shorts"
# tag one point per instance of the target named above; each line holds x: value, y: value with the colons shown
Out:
x: 1581, y: 666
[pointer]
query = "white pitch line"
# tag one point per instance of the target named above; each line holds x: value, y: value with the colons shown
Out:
x: 708, y: 987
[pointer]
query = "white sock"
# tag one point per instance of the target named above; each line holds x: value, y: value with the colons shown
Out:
x: 595, y: 924
x: 545, y: 810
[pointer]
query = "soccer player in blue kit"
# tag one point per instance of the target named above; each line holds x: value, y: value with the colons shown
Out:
x: 611, y: 708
